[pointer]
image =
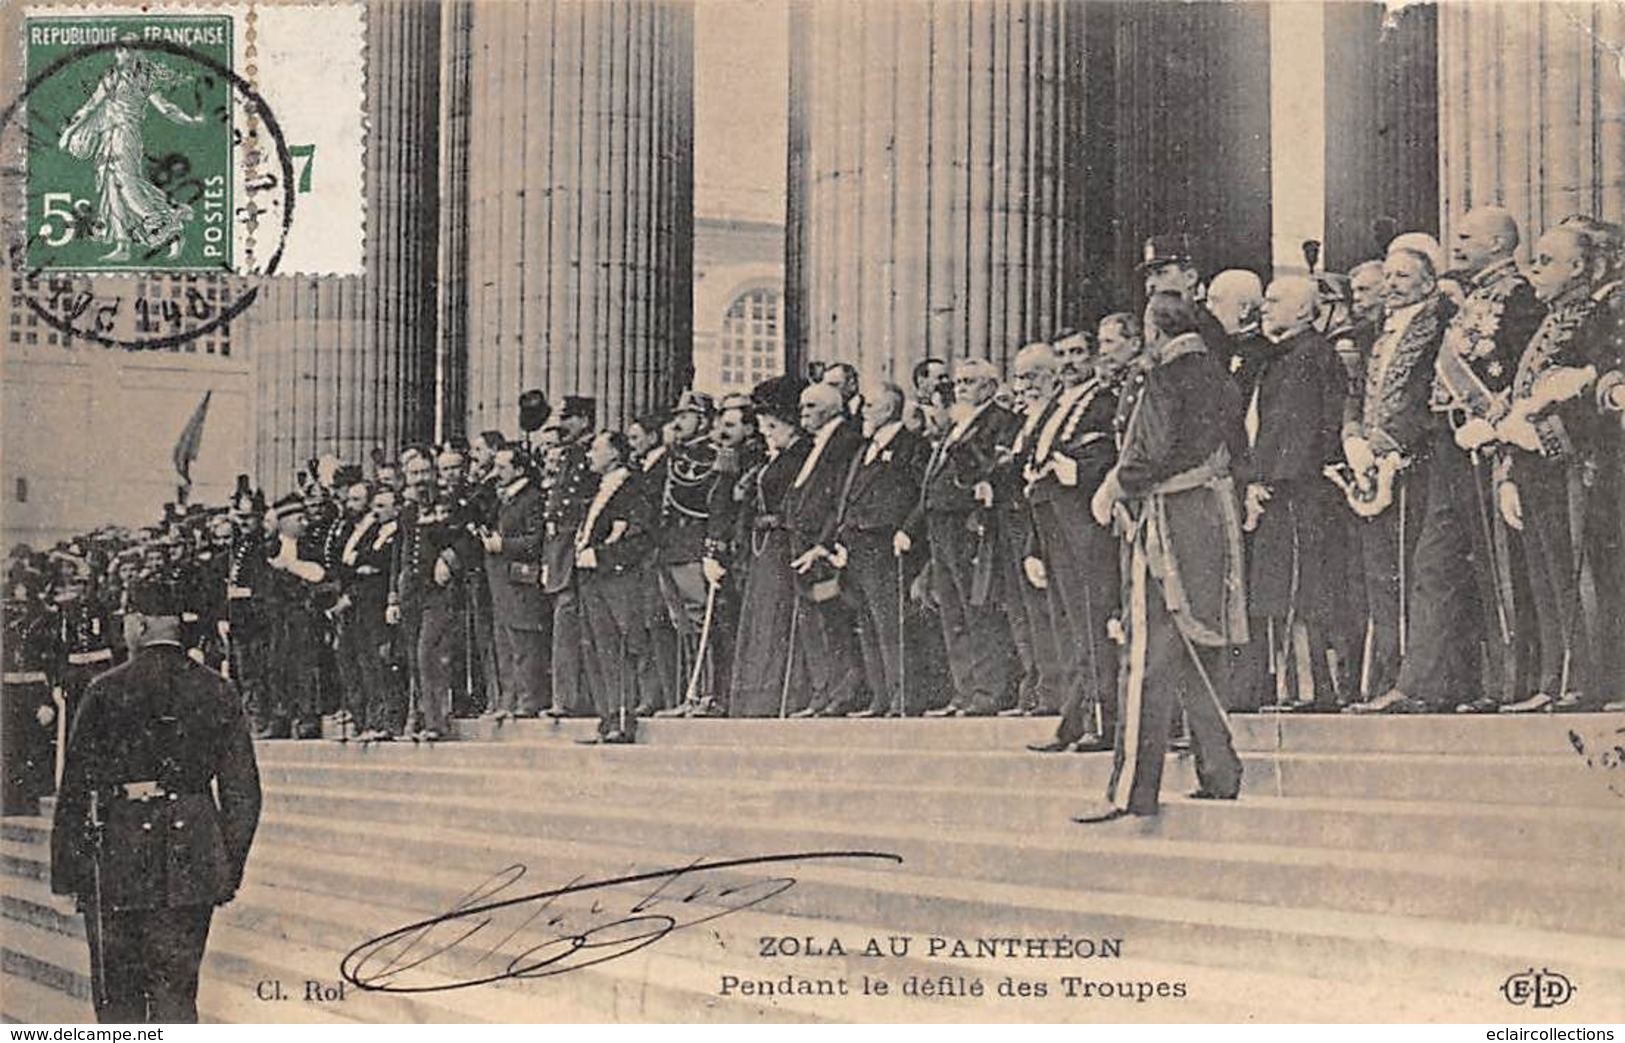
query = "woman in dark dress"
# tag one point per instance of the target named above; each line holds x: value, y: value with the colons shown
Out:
x: 769, y: 676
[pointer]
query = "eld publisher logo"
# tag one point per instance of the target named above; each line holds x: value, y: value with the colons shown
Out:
x: 1542, y: 989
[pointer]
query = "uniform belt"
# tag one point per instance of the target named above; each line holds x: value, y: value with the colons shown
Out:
x: 101, y: 655
x: 239, y: 593
x: 25, y: 677
x: 144, y: 791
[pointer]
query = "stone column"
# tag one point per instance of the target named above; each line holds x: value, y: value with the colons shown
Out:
x: 934, y: 207
x: 579, y: 192
x: 346, y: 365
x: 1532, y: 110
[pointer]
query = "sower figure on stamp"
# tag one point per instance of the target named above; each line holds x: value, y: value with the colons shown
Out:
x: 1173, y: 497
x: 140, y: 837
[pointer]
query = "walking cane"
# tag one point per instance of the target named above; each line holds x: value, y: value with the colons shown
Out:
x: 901, y: 707
x: 60, y: 698
x: 789, y: 656
x: 691, y: 693
x: 97, y: 827
x: 1491, y: 550
x: 1404, y: 600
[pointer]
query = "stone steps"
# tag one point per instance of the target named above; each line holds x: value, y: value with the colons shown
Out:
x: 1393, y: 868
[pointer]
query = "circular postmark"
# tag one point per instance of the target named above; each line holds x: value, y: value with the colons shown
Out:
x: 151, y: 187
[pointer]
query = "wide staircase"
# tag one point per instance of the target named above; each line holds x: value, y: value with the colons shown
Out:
x: 1393, y: 869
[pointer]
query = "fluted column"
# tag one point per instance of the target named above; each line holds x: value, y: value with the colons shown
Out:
x: 934, y: 207
x: 579, y: 198
x: 1532, y: 109
x: 347, y: 364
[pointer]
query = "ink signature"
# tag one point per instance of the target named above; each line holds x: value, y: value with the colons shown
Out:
x: 490, y: 935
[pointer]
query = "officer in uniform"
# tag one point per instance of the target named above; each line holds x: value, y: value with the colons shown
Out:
x: 85, y: 641
x: 572, y: 488
x: 247, y: 628
x: 1172, y: 497
x: 31, y: 650
x: 159, y: 801
x: 690, y: 476
x: 434, y: 559
x: 1465, y: 601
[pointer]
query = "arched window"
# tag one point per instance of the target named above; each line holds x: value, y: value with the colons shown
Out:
x: 752, y: 339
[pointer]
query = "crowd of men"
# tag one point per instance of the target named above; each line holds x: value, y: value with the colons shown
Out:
x: 1400, y: 494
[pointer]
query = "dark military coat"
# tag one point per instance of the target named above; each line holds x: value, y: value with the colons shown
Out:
x: 158, y: 719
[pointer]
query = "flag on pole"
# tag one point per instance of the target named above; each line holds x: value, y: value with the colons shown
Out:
x: 186, y: 446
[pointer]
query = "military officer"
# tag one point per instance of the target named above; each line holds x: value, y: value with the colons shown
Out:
x: 519, y: 609
x: 159, y: 802
x: 571, y: 489
x: 1466, y: 608
x: 293, y: 666
x: 1172, y: 496
x: 688, y: 477
x: 30, y: 652
x: 247, y: 626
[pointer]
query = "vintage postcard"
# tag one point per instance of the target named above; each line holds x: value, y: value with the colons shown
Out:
x: 775, y: 511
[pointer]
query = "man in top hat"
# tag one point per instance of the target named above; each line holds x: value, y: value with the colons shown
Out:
x: 533, y: 411
x: 571, y: 490
x: 159, y: 802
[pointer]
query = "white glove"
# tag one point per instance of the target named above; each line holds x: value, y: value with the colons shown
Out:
x: 1037, y: 575
x: 1517, y: 430
x: 1066, y: 469
x: 493, y: 543
x: 1475, y: 433
x: 1257, y: 496
x: 713, y: 570
x: 901, y: 544
x: 1511, y: 504
x: 838, y: 557
x: 1357, y: 451
x: 392, y: 615
x: 223, y: 627
x: 805, y: 562
x: 587, y: 558
x: 983, y: 491
x: 1100, y: 506
x: 442, y: 572
x: 45, y: 715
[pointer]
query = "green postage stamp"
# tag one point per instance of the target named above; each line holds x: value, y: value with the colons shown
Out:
x: 182, y: 138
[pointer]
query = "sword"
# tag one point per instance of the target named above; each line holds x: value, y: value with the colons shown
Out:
x: 60, y: 698
x: 96, y: 825
x: 689, y: 696
x: 1492, y: 549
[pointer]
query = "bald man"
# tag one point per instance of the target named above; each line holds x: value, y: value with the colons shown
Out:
x: 1235, y: 297
x: 1295, y: 566
x: 954, y: 514
x: 1549, y: 433
x: 1467, y: 618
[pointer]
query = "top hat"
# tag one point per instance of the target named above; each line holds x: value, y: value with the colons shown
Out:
x: 581, y: 406
x: 1166, y: 249
x: 533, y: 410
